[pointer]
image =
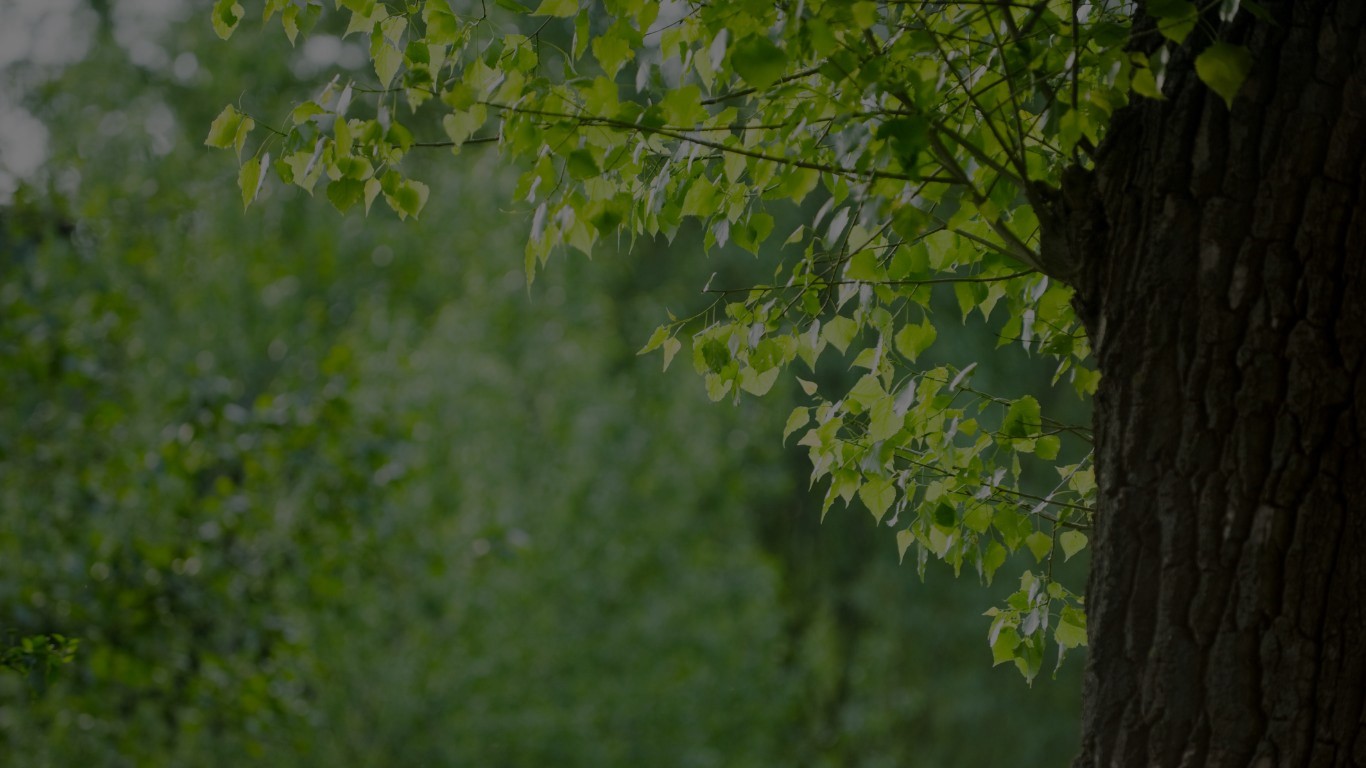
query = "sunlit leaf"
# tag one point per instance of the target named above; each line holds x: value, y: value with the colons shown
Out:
x: 877, y: 494
x: 1040, y: 544
x: 912, y: 340
x: 227, y: 14
x: 1071, y: 542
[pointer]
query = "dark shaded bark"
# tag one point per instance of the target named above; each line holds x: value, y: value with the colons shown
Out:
x: 1220, y: 261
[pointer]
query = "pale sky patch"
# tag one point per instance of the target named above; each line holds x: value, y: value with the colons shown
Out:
x: 23, y: 148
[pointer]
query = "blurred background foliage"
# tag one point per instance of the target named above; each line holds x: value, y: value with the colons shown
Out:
x: 314, y: 490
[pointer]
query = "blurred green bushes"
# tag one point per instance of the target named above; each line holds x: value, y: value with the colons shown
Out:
x: 325, y: 491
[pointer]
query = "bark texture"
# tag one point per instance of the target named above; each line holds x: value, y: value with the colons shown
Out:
x: 1223, y: 279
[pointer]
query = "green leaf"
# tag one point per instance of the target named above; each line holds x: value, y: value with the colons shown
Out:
x: 909, y: 136
x: 1109, y: 34
x: 758, y: 383
x: 386, y: 58
x: 304, y: 111
x: 559, y: 8
x: 978, y: 518
x: 1003, y: 648
x: 223, y: 131
x: 442, y: 26
x: 289, y: 19
x: 1012, y: 525
x: 1085, y: 380
x: 715, y: 355
x: 657, y: 338
x: 797, y: 183
x: 1022, y: 418
x: 753, y: 232
x: 461, y: 124
x: 699, y: 199
x: 968, y: 295
x: 249, y: 178
x: 800, y: 417
x: 1175, y: 18
x: 864, y: 266
x: 581, y: 164
x: 227, y: 14
x: 992, y: 559
x: 671, y: 347
x: 945, y: 515
x: 365, y: 21
x: 1040, y: 544
x: 839, y: 332
x: 345, y: 193
x: 354, y: 167
x: 877, y: 494
x: 758, y: 61
x: 304, y: 168
x: 407, y: 198
x: 683, y: 106
x: 1145, y: 84
x: 912, y: 340
x: 1071, y: 542
x: 1083, y: 481
x: 866, y: 392
x: 865, y: 13
x: 717, y: 387
x: 904, y: 540
x: 581, y: 34
x: 341, y: 138
x: 1224, y: 68
x: 243, y: 128
x: 616, y: 46
x: 883, y: 421
x: 1071, y: 630
x: 372, y: 190
x: 1029, y: 658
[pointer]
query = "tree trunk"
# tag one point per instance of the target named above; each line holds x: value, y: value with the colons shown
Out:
x: 1224, y: 285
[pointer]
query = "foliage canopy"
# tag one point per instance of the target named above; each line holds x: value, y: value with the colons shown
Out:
x: 890, y: 161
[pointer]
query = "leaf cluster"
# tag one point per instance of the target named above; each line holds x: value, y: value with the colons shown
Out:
x: 880, y: 157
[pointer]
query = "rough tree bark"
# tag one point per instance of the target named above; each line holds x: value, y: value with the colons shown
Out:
x: 1222, y: 274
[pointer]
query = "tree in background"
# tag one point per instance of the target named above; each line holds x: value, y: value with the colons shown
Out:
x: 313, y: 491
x: 1179, y: 181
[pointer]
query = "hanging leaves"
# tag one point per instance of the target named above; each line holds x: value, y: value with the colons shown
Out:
x: 878, y: 157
